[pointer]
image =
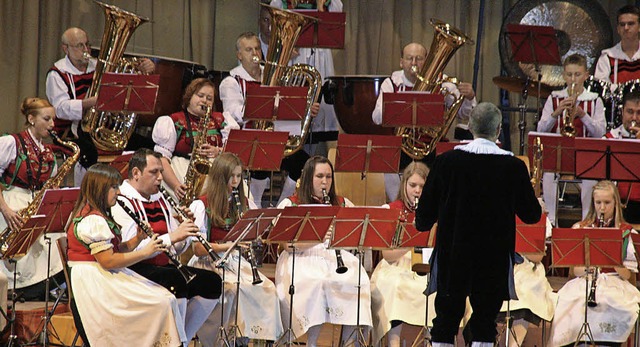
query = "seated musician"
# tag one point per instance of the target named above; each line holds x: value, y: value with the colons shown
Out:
x: 321, y: 294
x: 233, y: 91
x: 140, y: 193
x: 26, y: 164
x: 587, y: 113
x: 613, y: 318
x: 139, y: 311
x: 175, y: 135
x: 215, y: 213
x: 629, y: 129
x: 413, y: 57
x: 68, y: 83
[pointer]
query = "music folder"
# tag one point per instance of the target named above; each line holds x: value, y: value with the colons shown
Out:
x: 411, y: 109
x: 128, y: 93
x: 586, y: 247
x: 326, y: 32
x: 258, y: 150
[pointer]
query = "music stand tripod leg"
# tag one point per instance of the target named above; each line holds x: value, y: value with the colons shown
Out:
x: 234, y: 330
x: 222, y: 332
x: 360, y: 339
x: 585, y: 330
x: 13, y: 338
x: 288, y: 336
x: 424, y: 331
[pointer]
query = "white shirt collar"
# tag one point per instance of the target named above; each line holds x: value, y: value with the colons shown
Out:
x: 482, y: 146
x: 129, y: 191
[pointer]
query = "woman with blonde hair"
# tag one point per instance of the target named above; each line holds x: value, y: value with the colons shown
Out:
x: 216, y: 212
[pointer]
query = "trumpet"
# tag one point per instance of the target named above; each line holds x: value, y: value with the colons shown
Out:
x: 568, y: 130
x: 340, y: 268
x: 188, y: 276
x: 174, y: 205
x: 633, y: 124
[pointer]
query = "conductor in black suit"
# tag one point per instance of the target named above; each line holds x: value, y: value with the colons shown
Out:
x: 474, y: 193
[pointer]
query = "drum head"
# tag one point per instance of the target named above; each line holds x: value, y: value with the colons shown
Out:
x: 582, y: 26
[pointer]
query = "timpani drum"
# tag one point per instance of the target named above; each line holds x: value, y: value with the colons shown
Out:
x: 354, y: 99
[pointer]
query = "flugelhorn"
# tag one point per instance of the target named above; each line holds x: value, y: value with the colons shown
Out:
x: 340, y: 268
x: 184, y: 271
x: 568, y: 129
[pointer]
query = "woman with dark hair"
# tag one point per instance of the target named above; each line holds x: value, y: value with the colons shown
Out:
x: 138, y: 310
x: 616, y: 311
x: 174, y: 134
x: 321, y: 294
x: 216, y: 212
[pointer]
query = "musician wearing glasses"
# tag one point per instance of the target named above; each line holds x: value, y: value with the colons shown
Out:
x: 140, y: 194
x: 621, y: 63
x: 629, y: 129
x: 613, y: 301
x: 474, y: 193
x: 67, y: 84
x: 411, y: 62
x: 216, y: 211
x: 571, y: 112
x: 175, y: 135
x: 233, y: 91
x: 139, y: 311
x: 321, y: 294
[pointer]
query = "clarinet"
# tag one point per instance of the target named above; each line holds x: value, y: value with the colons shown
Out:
x: 341, y: 268
x: 591, y: 300
x: 174, y: 205
x: 251, y: 258
x: 188, y: 276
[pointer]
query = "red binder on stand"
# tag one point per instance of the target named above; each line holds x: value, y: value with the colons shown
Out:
x: 610, y: 159
x: 531, y: 238
x: 368, y: 153
x: 326, y: 32
x: 303, y: 224
x: 261, y: 220
x: 258, y: 150
x: 601, y: 247
x: 128, y: 93
x: 559, y: 152
x: 358, y: 227
x: 533, y: 44
x: 411, y: 109
x: 275, y: 103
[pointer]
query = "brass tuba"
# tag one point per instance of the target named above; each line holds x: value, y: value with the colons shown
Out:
x: 446, y: 42
x: 7, y: 235
x: 286, y: 27
x: 110, y: 131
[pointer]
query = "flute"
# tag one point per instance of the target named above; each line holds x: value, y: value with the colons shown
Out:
x: 188, y: 276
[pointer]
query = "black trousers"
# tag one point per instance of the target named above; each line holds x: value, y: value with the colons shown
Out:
x: 292, y: 164
x: 206, y: 284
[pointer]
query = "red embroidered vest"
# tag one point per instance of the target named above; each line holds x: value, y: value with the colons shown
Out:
x: 78, y: 250
x: 82, y: 84
x: 587, y: 105
x: 31, y: 167
x: 627, y: 70
x: 155, y: 216
x: 217, y: 233
x: 187, y: 132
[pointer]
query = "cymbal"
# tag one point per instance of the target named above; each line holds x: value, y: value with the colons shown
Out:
x: 516, y: 85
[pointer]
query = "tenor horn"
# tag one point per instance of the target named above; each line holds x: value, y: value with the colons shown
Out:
x: 418, y: 142
x: 286, y: 27
x: 110, y: 131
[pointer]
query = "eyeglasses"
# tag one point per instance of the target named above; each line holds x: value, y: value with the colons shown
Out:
x: 81, y: 45
x: 418, y: 58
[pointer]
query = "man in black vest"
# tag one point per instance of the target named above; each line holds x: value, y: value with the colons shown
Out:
x: 474, y: 193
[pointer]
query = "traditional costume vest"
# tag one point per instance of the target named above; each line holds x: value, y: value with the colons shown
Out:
x: 32, y: 166
x: 80, y: 251
x: 187, y: 128
x: 627, y: 70
x: 218, y: 233
x: 79, y: 84
x: 156, y: 213
x: 587, y: 105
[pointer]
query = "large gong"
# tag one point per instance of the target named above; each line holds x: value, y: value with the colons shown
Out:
x: 582, y: 26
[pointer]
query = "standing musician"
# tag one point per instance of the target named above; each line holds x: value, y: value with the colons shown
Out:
x: 413, y: 57
x: 616, y: 300
x: 396, y: 291
x: 321, y: 294
x: 175, y: 135
x: 139, y: 311
x: 26, y: 163
x: 629, y: 129
x: 68, y: 82
x: 215, y: 213
x: 474, y: 193
x: 233, y: 91
x: 140, y: 193
x: 621, y: 63
x: 587, y: 112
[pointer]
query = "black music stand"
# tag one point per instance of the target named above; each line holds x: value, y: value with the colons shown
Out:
x: 536, y: 45
x: 589, y: 247
x: 609, y: 159
x: 359, y: 228
x: 306, y: 224
x: 408, y: 236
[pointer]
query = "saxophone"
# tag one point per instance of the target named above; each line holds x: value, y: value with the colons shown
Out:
x: 536, y: 170
x: 199, y: 165
x: 7, y: 236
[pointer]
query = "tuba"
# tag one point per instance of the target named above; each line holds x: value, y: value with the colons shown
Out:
x: 446, y: 42
x: 7, y: 235
x: 110, y: 131
x: 286, y: 27
x: 198, y: 165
